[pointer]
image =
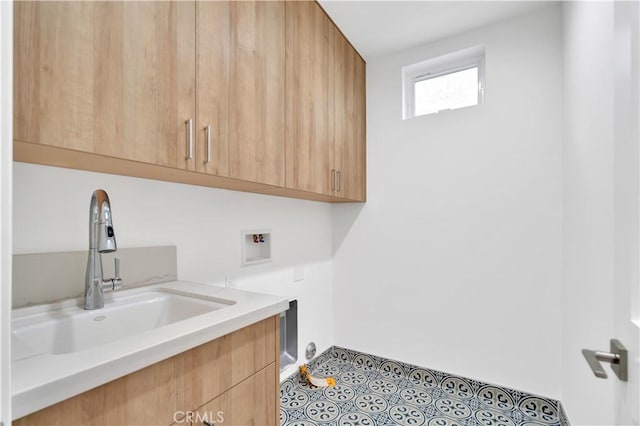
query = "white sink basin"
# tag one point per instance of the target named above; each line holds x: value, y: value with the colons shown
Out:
x: 68, y: 328
x: 59, y: 350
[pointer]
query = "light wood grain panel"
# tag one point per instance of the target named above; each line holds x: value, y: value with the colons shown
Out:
x: 104, y: 77
x: 256, y: 120
x: 146, y: 397
x: 254, y: 348
x: 53, y: 73
x: 212, y: 76
x: 248, y: 403
x: 210, y: 369
x: 309, y: 97
x: 341, y: 120
x: 185, y: 82
x: 240, y: 77
x: 350, y: 121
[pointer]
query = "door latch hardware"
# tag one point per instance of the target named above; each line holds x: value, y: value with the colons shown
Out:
x: 617, y: 357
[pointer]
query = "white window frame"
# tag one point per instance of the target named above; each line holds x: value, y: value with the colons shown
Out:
x: 437, y: 67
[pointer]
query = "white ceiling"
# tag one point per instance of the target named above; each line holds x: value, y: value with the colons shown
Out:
x: 378, y: 28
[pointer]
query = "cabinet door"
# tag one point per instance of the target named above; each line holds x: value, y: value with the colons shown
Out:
x: 146, y: 397
x: 248, y: 403
x: 349, y: 127
x: 111, y: 78
x: 309, y: 97
x: 240, y: 96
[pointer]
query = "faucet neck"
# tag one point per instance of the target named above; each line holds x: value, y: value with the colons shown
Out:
x: 93, y: 290
x: 102, y: 239
x: 101, y: 233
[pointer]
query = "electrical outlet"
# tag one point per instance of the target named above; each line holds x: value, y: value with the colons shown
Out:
x: 228, y: 282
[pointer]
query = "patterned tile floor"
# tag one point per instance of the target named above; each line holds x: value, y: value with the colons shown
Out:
x: 375, y: 391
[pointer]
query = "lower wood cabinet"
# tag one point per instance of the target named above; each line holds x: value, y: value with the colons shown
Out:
x: 247, y: 403
x: 237, y: 375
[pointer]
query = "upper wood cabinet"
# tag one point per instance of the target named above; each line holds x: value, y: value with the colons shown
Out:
x: 240, y: 96
x: 309, y: 97
x: 349, y: 164
x: 325, y: 93
x: 110, y: 78
x: 259, y: 96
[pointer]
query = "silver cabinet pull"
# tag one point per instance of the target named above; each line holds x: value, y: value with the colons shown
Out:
x: 617, y: 357
x: 338, y: 181
x: 189, y: 124
x: 333, y: 179
x: 208, y: 137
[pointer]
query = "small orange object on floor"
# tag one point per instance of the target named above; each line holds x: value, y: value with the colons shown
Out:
x: 315, y: 381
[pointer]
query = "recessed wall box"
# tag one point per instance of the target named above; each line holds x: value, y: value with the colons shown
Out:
x: 256, y: 246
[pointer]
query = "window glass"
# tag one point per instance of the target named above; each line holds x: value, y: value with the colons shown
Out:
x: 453, y: 90
x: 447, y: 82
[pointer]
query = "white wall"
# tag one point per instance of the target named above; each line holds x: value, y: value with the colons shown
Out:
x: 588, y: 207
x: 455, y: 261
x: 6, y: 120
x: 51, y: 214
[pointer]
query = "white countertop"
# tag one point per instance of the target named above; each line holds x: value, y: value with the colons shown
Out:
x: 43, y: 380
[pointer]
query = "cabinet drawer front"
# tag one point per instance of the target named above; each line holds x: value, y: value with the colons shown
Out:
x: 210, y: 369
x: 248, y: 403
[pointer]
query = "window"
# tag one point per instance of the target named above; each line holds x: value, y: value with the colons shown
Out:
x: 447, y: 82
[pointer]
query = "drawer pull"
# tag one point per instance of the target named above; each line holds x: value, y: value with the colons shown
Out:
x: 189, y: 124
x: 208, y: 131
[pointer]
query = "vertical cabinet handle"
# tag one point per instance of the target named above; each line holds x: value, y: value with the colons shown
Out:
x: 208, y: 137
x: 338, y: 181
x: 333, y: 179
x: 189, y: 124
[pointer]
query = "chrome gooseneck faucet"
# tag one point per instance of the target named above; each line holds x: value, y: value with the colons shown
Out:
x: 102, y: 239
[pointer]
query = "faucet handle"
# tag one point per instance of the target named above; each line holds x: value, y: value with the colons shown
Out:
x: 115, y: 282
x: 117, y: 267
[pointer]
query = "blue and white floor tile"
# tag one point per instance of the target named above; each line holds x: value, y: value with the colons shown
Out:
x: 372, y: 391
